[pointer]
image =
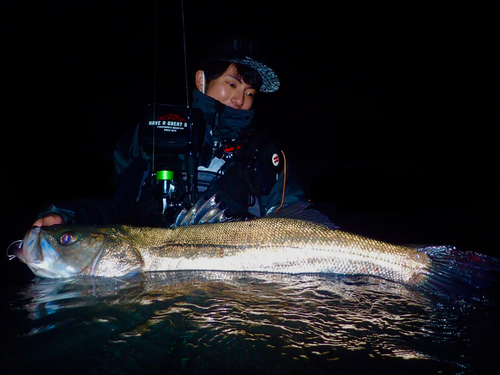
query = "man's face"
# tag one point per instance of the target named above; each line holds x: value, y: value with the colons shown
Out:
x: 231, y: 90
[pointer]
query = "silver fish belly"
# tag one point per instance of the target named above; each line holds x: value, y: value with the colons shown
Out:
x: 275, y: 245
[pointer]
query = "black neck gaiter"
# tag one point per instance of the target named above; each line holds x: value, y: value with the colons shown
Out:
x: 225, y: 122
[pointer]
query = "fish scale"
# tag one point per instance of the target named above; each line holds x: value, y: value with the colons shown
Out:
x: 277, y: 245
x: 269, y: 244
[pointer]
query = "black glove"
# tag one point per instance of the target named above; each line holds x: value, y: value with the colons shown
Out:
x: 231, y: 192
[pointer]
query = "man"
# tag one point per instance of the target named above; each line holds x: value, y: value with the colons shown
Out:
x: 239, y: 170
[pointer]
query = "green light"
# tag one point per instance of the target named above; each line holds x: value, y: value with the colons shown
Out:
x: 165, y: 175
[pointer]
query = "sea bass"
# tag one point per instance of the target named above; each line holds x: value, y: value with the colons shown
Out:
x: 279, y: 245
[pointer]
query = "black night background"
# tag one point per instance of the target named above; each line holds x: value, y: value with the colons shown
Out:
x: 387, y: 111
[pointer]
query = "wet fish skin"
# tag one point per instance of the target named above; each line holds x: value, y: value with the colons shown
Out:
x: 276, y: 245
x: 265, y: 245
x: 279, y: 245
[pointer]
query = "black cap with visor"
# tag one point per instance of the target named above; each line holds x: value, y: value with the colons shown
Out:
x: 244, y: 52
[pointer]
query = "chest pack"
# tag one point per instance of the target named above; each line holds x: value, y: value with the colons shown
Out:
x: 257, y: 159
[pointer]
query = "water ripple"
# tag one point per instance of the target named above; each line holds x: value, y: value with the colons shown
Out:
x: 196, y: 322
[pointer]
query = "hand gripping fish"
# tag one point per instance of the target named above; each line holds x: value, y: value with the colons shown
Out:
x: 268, y: 244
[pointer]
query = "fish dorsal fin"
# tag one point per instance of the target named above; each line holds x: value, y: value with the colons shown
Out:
x: 208, y: 211
x: 302, y: 211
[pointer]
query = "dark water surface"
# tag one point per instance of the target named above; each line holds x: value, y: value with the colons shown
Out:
x: 219, y: 323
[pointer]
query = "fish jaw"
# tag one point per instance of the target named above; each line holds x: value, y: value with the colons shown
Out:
x: 41, y: 257
x: 29, y: 253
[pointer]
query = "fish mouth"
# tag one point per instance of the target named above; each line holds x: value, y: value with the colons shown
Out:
x: 28, y: 251
x: 38, y: 254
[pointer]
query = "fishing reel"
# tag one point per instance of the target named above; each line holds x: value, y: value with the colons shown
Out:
x: 165, y: 188
x: 171, y: 129
x: 173, y: 136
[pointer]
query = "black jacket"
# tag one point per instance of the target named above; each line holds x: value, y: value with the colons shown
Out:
x: 231, y: 148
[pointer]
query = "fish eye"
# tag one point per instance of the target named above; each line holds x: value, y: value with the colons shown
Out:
x: 67, y: 238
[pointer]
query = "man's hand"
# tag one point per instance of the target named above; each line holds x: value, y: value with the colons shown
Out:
x: 231, y: 192
x: 50, y: 219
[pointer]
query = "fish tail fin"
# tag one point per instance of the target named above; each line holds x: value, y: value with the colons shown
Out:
x: 460, y: 272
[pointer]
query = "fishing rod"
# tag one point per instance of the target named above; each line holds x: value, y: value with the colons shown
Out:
x: 176, y: 136
x: 191, y: 160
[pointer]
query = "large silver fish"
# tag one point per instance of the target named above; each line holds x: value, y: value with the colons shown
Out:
x: 280, y: 245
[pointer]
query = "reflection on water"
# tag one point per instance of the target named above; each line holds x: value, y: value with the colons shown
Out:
x: 208, y: 322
